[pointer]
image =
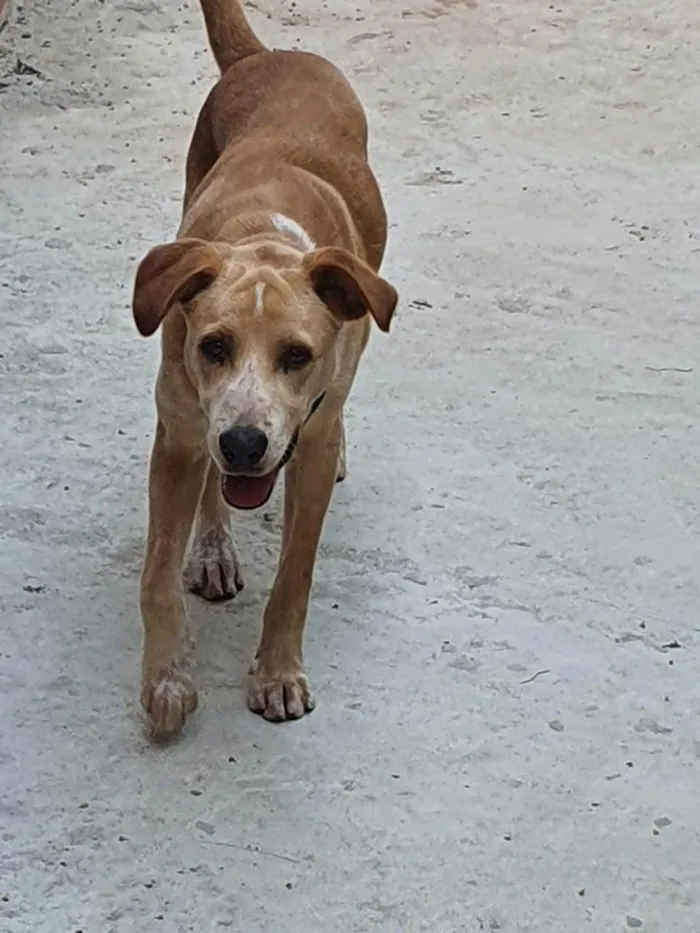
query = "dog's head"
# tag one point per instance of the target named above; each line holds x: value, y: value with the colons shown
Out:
x: 262, y: 329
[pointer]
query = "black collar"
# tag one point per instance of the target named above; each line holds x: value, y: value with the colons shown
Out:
x: 295, y: 440
x: 315, y: 405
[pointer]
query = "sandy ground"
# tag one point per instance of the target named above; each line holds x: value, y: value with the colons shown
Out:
x: 522, y: 496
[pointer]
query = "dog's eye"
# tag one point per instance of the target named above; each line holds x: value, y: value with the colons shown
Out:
x: 295, y: 356
x: 215, y: 349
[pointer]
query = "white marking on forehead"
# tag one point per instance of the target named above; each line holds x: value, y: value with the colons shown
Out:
x: 259, y: 289
x: 285, y: 224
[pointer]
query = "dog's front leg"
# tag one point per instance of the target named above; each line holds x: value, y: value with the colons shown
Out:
x: 168, y: 692
x: 279, y: 688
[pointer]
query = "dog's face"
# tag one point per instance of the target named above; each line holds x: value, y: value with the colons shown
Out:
x: 263, y: 323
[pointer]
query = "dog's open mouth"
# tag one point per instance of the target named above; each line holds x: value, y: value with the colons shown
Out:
x: 252, y: 492
x: 248, y: 492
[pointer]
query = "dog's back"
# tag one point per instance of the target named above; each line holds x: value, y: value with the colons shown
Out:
x: 276, y: 112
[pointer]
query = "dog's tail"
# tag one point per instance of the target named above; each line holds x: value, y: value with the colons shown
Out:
x: 230, y: 34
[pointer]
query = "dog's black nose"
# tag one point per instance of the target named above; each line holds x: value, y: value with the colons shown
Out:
x: 243, y: 448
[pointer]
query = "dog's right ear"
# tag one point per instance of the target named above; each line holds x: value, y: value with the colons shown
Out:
x: 173, y: 272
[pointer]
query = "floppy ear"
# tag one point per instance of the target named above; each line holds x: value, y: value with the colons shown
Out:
x: 169, y: 273
x: 349, y: 287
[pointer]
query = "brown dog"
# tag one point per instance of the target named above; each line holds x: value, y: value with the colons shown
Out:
x: 264, y: 299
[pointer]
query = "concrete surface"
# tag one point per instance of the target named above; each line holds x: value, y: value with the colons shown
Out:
x: 522, y: 496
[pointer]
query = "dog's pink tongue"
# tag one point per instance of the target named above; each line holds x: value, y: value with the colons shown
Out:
x: 248, y: 492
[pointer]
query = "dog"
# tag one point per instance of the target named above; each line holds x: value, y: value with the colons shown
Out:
x: 264, y: 300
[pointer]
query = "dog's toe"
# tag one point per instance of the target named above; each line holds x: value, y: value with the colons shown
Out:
x: 282, y: 696
x: 167, y: 699
x: 212, y: 570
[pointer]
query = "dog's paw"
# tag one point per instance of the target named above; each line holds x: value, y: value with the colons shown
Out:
x: 212, y: 570
x: 279, y: 696
x: 167, y: 699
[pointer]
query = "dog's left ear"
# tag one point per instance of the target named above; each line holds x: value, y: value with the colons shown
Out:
x: 349, y: 287
x: 169, y: 273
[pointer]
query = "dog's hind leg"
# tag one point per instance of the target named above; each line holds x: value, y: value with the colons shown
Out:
x: 342, y: 453
x: 212, y: 570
